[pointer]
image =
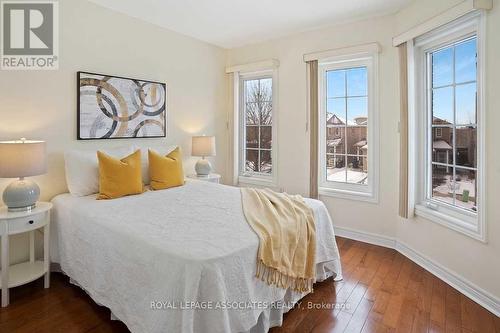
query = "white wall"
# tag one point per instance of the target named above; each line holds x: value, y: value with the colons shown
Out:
x: 473, y: 260
x: 42, y: 104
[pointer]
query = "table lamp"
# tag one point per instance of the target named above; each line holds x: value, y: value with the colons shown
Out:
x: 203, y: 146
x: 20, y: 159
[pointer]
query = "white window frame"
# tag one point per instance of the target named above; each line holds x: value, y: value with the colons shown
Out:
x: 362, y: 58
x: 468, y: 223
x: 254, y: 178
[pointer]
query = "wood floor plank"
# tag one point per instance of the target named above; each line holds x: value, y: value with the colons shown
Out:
x: 409, y: 308
x: 438, y: 307
x: 423, y: 306
x: 453, y: 317
x: 359, y: 317
x: 382, y: 291
x: 378, y: 279
x: 486, y: 320
x: 469, y: 313
x: 496, y: 324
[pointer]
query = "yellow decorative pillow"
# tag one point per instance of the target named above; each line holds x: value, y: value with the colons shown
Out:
x: 118, y: 178
x: 165, y: 171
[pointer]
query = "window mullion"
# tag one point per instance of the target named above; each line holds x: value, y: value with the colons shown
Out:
x: 345, y: 134
x: 258, y: 130
x: 454, y: 152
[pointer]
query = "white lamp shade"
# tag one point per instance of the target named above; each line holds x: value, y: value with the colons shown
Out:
x: 22, y: 158
x: 203, y: 146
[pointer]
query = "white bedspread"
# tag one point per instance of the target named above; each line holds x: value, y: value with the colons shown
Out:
x: 188, y: 247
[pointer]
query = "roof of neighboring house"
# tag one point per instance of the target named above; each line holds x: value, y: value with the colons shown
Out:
x: 441, y: 144
x: 363, y: 121
x: 436, y: 120
x: 333, y: 119
x: 360, y: 143
x: 333, y: 143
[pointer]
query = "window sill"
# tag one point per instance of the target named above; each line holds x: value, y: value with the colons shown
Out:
x: 258, y: 181
x: 347, y: 194
x: 472, y: 230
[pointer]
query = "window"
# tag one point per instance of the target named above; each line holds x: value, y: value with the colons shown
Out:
x: 257, y: 130
x: 452, y: 97
x: 450, y: 170
x: 348, y: 145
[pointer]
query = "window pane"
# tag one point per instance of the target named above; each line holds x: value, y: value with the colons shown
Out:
x: 442, y: 106
x: 265, y: 161
x: 465, y: 96
x: 442, y: 155
x: 336, y: 107
x: 466, y: 150
x: 252, y: 160
x: 258, y: 90
x: 357, y: 170
x: 252, y: 137
x: 442, y: 183
x: 442, y: 133
x: 335, y: 168
x: 357, y: 110
x: 356, y: 139
x: 257, y: 121
x: 266, y: 90
x: 266, y: 113
x: 258, y: 95
x: 465, y: 189
x: 442, y: 67
x: 252, y: 113
x: 252, y: 91
x: 266, y: 135
x: 335, y: 140
x: 465, y: 61
x: 442, y: 147
x: 357, y: 82
x: 454, y: 133
x: 335, y: 83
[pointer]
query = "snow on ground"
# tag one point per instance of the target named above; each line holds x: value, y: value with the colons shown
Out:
x: 444, y: 192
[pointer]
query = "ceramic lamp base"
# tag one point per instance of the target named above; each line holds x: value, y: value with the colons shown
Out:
x: 203, y: 167
x: 21, y: 195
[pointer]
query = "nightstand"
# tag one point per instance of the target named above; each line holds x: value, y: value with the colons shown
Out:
x: 12, y: 223
x: 212, y: 178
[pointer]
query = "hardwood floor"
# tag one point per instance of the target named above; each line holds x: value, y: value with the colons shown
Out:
x: 382, y: 290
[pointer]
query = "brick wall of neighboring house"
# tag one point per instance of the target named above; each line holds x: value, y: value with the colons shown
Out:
x: 466, y: 146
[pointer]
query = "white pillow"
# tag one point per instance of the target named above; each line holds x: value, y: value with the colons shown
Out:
x: 82, y: 168
x: 160, y: 149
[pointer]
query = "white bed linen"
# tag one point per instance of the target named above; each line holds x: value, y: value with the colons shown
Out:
x: 185, y: 244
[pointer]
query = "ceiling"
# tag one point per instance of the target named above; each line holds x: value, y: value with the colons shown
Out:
x: 233, y: 23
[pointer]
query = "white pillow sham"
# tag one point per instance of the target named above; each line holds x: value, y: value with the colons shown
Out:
x: 82, y: 168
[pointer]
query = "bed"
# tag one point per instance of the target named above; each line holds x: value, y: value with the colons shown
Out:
x: 177, y: 260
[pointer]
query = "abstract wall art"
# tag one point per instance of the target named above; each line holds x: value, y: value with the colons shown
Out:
x: 112, y: 107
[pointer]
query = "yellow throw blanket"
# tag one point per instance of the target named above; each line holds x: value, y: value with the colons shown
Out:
x: 286, y: 230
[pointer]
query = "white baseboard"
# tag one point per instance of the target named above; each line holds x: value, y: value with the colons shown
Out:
x: 469, y: 289
x: 366, y: 237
